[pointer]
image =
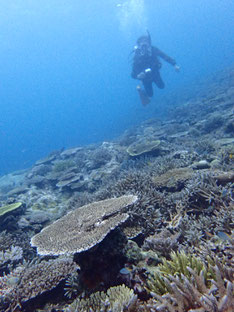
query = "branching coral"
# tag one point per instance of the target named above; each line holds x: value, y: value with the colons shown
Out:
x: 205, y: 192
x: 186, y: 283
x: 162, y: 243
x: 145, y: 212
x: 177, y: 266
x: 195, y: 296
x: 14, y: 254
x: 116, y: 299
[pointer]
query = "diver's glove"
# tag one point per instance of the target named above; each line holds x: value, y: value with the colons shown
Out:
x: 143, y: 74
x: 177, y: 68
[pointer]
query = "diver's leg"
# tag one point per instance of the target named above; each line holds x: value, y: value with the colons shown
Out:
x: 144, y: 97
x: 158, y: 80
x: 148, y: 88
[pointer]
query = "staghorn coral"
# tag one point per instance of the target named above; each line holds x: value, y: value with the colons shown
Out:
x: 219, y: 249
x: 116, y: 299
x: 224, y: 217
x: 203, y: 146
x: 159, y: 165
x: 145, y: 212
x: 197, y: 194
x: 15, y: 246
x: 14, y: 254
x: 162, y: 243
x: 197, y: 230
x: 5, y: 240
x: 83, y: 227
x: 202, y: 206
x: 195, y: 296
x: 205, y: 192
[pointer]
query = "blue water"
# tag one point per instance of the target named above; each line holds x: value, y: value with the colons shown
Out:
x: 65, y: 73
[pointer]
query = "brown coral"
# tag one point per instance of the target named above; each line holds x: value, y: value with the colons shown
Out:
x: 83, y: 227
x: 26, y: 283
x: 174, y: 179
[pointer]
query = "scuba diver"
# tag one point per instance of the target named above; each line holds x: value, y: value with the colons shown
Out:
x: 146, y: 67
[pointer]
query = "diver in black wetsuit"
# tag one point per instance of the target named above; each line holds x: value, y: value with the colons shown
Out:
x: 146, y: 67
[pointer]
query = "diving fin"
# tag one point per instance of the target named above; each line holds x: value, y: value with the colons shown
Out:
x: 145, y: 100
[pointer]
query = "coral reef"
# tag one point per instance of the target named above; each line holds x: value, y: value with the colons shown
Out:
x: 172, y: 248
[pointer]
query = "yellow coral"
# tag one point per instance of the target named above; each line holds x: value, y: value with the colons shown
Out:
x: 7, y: 208
x: 116, y: 299
x: 178, y: 266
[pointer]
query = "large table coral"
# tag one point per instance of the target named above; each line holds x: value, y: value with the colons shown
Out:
x: 83, y: 227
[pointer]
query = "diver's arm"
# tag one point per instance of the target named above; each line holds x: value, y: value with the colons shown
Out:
x: 164, y: 56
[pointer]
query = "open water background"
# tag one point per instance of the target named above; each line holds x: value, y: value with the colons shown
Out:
x: 65, y: 67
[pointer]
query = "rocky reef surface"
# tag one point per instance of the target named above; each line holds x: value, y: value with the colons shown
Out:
x: 142, y: 223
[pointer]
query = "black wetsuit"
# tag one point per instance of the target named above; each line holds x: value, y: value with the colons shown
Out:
x: 142, y: 62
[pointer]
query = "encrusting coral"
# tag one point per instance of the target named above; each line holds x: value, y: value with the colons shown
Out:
x: 174, y: 179
x: 83, y: 227
x: 143, y: 147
